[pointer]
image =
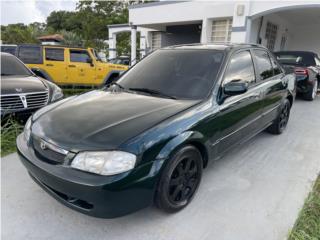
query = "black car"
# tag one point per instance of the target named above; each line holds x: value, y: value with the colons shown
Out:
x: 147, y: 138
x: 306, y: 66
x: 22, y: 92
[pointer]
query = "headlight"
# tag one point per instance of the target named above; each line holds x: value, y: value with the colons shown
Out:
x: 56, y: 94
x: 104, y: 163
x: 27, y: 130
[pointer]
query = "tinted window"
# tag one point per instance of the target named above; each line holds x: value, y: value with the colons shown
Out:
x: 79, y: 56
x: 240, y: 68
x: 187, y: 74
x: 54, y: 54
x: 10, y: 65
x: 296, y: 58
x: 30, y: 54
x: 264, y: 66
x: 9, y: 49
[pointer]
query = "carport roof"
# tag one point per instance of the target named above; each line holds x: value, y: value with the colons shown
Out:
x: 216, y: 46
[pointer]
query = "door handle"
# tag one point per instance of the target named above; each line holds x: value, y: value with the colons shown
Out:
x: 72, y: 66
x: 49, y: 65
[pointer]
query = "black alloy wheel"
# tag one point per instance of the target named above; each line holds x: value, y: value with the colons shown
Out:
x: 280, y: 123
x: 180, y: 180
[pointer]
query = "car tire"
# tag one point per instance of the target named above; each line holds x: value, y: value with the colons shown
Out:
x: 312, y: 93
x: 280, y: 123
x: 179, y: 180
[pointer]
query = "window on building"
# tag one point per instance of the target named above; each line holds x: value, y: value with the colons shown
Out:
x: 54, y: 54
x: 79, y: 56
x: 271, y: 35
x: 156, y: 40
x: 265, y: 69
x: 240, y: 68
x: 221, y: 30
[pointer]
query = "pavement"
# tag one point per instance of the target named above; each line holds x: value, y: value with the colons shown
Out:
x: 254, y: 192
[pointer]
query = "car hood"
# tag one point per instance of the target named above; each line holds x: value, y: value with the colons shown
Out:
x: 104, y: 120
x: 21, y: 84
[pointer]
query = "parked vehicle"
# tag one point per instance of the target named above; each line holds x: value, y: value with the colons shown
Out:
x: 9, y: 48
x: 124, y: 60
x: 22, y: 93
x: 148, y: 136
x: 306, y: 66
x: 66, y: 65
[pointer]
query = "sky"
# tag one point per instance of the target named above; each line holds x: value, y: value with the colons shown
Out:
x: 29, y: 11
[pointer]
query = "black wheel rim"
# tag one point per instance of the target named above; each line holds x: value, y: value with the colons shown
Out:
x: 183, y: 181
x: 284, y: 116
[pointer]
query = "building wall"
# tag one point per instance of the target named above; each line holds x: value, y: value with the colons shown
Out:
x: 302, y: 35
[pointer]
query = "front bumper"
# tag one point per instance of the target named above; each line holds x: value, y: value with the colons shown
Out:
x: 91, y: 194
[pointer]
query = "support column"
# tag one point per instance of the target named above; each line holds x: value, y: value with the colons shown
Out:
x: 133, y: 44
x: 112, y: 45
x: 206, y: 31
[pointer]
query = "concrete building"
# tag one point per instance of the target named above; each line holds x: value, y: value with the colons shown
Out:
x: 278, y: 25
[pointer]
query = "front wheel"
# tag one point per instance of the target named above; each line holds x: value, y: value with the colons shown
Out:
x: 280, y: 124
x: 180, y: 180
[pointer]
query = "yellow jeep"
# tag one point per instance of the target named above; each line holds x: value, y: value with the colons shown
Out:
x: 69, y: 65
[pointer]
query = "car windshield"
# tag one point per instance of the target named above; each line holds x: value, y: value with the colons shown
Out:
x: 10, y: 66
x: 176, y: 73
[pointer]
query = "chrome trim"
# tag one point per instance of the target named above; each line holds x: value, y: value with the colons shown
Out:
x: 46, y: 145
x: 24, y: 94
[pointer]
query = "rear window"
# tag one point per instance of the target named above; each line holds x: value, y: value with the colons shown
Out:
x: 299, y: 59
x: 54, y: 54
x: 9, y: 49
x: 30, y: 54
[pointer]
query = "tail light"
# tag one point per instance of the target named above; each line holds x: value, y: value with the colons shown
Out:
x: 301, y: 71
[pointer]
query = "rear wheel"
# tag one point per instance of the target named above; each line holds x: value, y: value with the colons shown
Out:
x: 180, y: 180
x: 281, y: 121
x: 312, y: 93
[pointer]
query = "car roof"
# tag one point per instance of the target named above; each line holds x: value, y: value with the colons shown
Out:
x: 216, y: 46
x: 50, y: 45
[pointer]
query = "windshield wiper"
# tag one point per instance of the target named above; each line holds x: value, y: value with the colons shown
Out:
x: 152, y: 92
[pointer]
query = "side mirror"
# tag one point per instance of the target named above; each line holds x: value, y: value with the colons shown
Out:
x: 89, y: 60
x: 235, y: 87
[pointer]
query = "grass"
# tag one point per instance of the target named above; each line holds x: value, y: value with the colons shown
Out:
x: 307, y: 226
x: 10, y: 129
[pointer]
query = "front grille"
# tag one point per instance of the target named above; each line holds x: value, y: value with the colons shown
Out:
x: 47, y: 154
x: 12, y: 102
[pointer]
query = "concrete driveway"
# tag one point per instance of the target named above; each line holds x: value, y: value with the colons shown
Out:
x: 255, y: 192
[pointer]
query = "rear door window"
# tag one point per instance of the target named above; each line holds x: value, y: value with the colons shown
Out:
x: 79, y: 56
x: 30, y: 54
x: 54, y: 54
x: 240, y: 68
x: 264, y: 66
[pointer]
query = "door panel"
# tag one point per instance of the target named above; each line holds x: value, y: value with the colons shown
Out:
x: 273, y: 85
x: 55, y: 64
x: 238, y: 118
x: 79, y: 70
x: 238, y: 115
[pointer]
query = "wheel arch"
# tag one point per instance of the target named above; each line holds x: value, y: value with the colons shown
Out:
x: 195, y: 139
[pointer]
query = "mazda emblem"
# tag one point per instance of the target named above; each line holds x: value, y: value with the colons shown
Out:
x: 43, y: 145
